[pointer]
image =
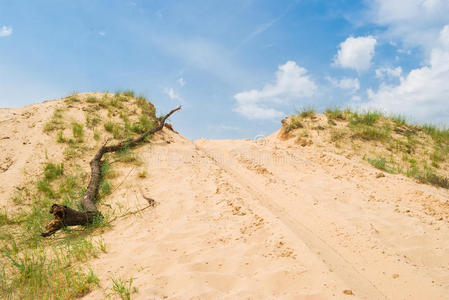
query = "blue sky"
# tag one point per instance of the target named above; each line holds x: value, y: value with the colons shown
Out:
x: 237, y: 67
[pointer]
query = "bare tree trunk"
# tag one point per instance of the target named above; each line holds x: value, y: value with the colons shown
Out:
x: 66, y: 216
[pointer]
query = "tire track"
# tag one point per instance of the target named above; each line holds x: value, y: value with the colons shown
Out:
x: 361, y: 285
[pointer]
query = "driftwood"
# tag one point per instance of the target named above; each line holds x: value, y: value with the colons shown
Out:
x: 66, y: 216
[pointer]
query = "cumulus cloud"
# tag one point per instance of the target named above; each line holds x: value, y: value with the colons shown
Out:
x: 170, y: 92
x: 386, y: 72
x: 292, y: 82
x: 415, y: 22
x: 423, y: 93
x: 350, y: 84
x: 5, y: 31
x: 356, y: 53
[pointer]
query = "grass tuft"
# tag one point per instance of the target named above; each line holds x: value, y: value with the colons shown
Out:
x: 123, y: 288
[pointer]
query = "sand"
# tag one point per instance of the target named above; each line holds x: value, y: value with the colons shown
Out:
x: 266, y: 219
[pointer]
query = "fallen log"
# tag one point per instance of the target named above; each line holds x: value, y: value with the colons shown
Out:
x: 66, y: 216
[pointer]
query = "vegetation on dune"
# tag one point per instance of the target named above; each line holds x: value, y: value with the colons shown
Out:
x: 388, y: 143
x: 32, y: 267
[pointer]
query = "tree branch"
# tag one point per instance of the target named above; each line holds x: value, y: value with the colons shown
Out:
x: 66, y: 216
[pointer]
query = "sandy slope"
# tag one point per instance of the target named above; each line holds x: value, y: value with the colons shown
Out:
x: 245, y: 219
x: 24, y: 146
x: 239, y: 219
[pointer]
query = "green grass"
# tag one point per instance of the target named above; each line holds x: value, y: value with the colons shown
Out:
x: 56, y: 122
x: 434, y: 179
x: 378, y: 163
x: 335, y: 114
x: 97, y: 135
x: 128, y: 93
x: 72, y: 99
x: 123, y: 288
x: 369, y: 118
x: 146, y: 107
x: 399, y: 119
x: 118, y: 131
x: 60, y: 137
x: 53, y: 171
x: 41, y: 272
x: 370, y: 133
x: 35, y: 268
x: 439, y: 135
x: 92, y: 120
x: 293, y: 123
x: 78, y: 131
x: 306, y: 112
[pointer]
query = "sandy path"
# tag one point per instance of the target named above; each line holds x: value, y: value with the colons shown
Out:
x: 350, y: 219
x: 238, y: 219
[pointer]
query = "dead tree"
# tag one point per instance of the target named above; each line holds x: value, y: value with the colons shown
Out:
x: 66, y: 216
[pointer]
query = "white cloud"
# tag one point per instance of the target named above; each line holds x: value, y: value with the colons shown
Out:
x: 356, y: 98
x: 172, y: 94
x: 386, y: 72
x: 292, y: 82
x: 350, y: 84
x: 414, y: 22
x: 5, y: 31
x: 356, y: 53
x: 423, y: 93
x: 102, y: 33
x: 181, y: 81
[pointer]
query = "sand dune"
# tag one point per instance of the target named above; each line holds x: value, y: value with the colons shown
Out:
x: 245, y: 219
x: 267, y: 219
